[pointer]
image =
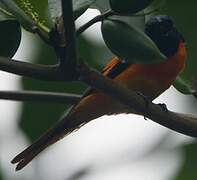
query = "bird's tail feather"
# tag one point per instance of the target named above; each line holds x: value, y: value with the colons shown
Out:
x: 85, y: 111
x: 61, y: 129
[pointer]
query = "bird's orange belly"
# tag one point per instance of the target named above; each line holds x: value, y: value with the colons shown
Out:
x: 148, y: 81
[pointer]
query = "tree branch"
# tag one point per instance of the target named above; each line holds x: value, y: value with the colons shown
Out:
x: 40, y: 72
x: 70, y: 56
x: 40, y: 96
x: 186, y: 124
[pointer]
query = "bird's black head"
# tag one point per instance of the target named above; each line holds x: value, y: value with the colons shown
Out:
x: 164, y: 34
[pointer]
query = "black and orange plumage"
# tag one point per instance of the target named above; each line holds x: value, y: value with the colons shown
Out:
x: 151, y: 80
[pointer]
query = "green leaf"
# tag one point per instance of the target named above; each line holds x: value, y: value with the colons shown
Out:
x: 154, y: 8
x: 79, y: 7
x: 20, y: 15
x: 10, y: 32
x: 129, y: 43
x: 10, y: 37
x: 36, y: 9
x: 183, y: 86
x: 4, y: 13
x: 101, y: 5
x: 138, y: 22
x: 128, y: 6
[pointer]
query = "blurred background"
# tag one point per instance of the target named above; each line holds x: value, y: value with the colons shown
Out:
x: 111, y: 147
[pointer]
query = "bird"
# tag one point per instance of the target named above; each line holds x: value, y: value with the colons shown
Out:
x: 151, y: 80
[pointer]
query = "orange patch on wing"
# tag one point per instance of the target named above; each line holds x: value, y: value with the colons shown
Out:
x: 110, y: 65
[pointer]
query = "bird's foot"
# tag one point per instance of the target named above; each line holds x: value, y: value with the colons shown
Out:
x: 163, y: 107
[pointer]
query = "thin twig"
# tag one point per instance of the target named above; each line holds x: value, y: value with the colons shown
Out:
x: 186, y: 124
x: 93, y: 21
x: 40, y: 96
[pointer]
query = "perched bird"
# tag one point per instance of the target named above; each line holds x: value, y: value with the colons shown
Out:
x: 151, y: 80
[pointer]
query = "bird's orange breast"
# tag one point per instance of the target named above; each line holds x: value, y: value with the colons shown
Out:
x: 153, y: 79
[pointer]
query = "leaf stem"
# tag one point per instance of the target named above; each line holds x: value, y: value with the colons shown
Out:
x: 93, y: 21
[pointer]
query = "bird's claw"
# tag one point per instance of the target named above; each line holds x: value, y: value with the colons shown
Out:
x: 163, y: 107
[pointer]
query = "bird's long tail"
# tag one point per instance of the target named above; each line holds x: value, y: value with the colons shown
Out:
x: 85, y: 111
x: 61, y: 129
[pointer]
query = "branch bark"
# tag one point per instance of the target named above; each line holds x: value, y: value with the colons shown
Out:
x: 40, y: 72
x: 185, y: 124
x: 40, y: 96
x: 70, y: 56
